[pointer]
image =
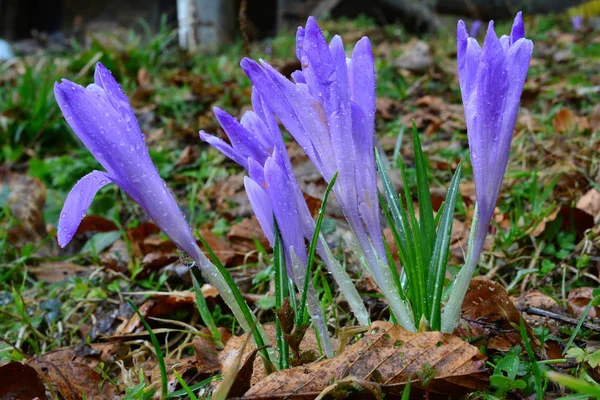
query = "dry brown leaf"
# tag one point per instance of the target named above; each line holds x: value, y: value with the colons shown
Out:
x: 231, y: 353
x: 18, y: 381
x: 578, y: 299
x: 207, y: 352
x: 96, y: 223
x: 56, y: 271
x: 590, y: 202
x: 566, y: 121
x: 388, y: 356
x: 241, y: 236
x: 73, y: 375
x: 188, y: 155
x: 26, y: 200
x: 117, y: 257
x: 488, y: 311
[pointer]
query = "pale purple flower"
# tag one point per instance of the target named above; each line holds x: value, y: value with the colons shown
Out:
x: 330, y: 111
x: 103, y: 120
x: 475, y: 28
x: 256, y: 143
x: 577, y: 22
x: 491, y: 83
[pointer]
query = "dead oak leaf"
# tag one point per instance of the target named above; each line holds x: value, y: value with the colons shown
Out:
x: 18, y: 381
x: 566, y: 121
x: 590, y: 202
x: 578, y: 300
x: 489, y: 312
x: 56, y: 271
x: 26, y: 197
x: 73, y: 375
x: 388, y: 356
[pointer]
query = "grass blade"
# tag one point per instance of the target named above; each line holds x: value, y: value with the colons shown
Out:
x: 159, y: 356
x: 578, y: 385
x: 185, y: 387
x: 427, y: 223
x: 281, y: 292
x: 205, y: 313
x: 313, y: 247
x: 535, y: 368
x: 592, y: 303
x: 437, y: 269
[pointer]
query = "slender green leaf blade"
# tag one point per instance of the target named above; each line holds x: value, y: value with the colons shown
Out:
x: 437, y: 269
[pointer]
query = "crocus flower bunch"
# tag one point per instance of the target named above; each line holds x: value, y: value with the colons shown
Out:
x: 491, y: 82
x: 329, y: 109
x: 257, y: 145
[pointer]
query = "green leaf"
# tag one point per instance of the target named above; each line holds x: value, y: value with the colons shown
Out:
x: 424, y: 196
x: 437, y: 267
x: 281, y: 292
x: 205, y: 314
x: 159, y: 356
x: 402, y: 232
x: 313, y: 247
x: 100, y: 241
x: 578, y: 385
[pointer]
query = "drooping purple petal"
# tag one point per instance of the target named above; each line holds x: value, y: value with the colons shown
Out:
x: 224, y: 148
x: 77, y: 203
x: 242, y: 140
x: 261, y: 206
x: 102, y: 118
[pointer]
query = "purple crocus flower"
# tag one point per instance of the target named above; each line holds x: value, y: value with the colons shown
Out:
x: 101, y: 117
x: 256, y: 143
x: 103, y: 120
x: 330, y: 110
x: 577, y: 22
x: 491, y: 83
x: 475, y: 28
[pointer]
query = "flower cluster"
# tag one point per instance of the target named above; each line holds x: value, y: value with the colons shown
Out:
x: 329, y: 109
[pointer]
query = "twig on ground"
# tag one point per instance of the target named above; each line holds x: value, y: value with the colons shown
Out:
x: 555, y: 316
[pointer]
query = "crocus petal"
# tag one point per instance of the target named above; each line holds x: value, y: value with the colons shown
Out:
x: 367, y: 192
x: 261, y: 206
x: 271, y: 92
x: 492, y: 85
x: 363, y: 77
x: 281, y: 196
x: 264, y: 113
x: 224, y: 148
x: 298, y: 77
x: 317, y: 64
x: 77, y: 203
x: 518, y: 58
x: 242, y: 140
x: 299, y: 42
x: 518, y: 29
x: 475, y: 27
